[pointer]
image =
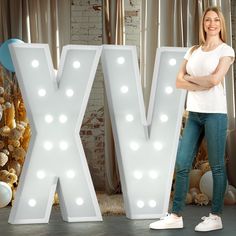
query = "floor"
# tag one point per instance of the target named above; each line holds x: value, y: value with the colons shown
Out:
x: 117, y: 225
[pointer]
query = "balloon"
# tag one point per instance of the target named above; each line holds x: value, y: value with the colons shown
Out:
x: 230, y: 198
x: 206, y: 184
x: 5, y: 194
x: 5, y: 56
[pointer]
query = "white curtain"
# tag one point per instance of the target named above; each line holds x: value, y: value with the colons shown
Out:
x: 36, y: 21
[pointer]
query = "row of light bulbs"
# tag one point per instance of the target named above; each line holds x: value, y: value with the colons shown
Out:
x: 32, y: 202
x: 42, y: 92
x: 80, y: 201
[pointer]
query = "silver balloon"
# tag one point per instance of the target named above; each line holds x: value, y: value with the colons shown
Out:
x: 5, y: 194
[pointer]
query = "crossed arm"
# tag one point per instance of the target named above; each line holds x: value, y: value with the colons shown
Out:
x: 200, y: 83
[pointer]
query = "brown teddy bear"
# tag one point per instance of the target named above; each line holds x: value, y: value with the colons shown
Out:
x: 8, y: 177
x: 3, y: 158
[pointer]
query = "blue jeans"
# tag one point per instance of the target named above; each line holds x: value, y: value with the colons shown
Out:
x: 214, y: 127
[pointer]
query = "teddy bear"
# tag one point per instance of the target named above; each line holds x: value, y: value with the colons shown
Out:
x: 201, y: 199
x: 9, y: 177
x: 5, y: 131
x: 3, y: 157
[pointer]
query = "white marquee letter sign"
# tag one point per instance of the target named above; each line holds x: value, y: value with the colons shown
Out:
x: 146, y: 148
x: 55, y: 159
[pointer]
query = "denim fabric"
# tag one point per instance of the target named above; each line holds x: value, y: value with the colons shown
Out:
x: 214, y: 127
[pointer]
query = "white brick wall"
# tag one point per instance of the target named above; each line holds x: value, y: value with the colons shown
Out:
x: 132, y: 22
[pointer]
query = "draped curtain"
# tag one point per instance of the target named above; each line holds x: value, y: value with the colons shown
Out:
x: 36, y: 21
x: 163, y: 23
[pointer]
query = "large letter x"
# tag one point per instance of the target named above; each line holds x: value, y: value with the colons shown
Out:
x: 55, y: 107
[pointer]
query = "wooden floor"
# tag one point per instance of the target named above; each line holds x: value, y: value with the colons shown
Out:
x: 117, y: 225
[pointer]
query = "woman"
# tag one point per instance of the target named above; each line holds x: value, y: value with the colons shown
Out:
x: 202, y: 74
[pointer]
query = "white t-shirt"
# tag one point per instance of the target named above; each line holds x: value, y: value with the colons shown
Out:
x: 202, y: 63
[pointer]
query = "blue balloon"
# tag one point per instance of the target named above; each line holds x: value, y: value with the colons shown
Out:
x: 5, y: 55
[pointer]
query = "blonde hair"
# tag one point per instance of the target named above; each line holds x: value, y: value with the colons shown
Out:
x: 202, y: 33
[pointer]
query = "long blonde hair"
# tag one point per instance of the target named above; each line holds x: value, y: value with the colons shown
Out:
x: 202, y: 33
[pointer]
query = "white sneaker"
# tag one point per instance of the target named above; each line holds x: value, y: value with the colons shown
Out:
x: 212, y: 222
x: 168, y: 222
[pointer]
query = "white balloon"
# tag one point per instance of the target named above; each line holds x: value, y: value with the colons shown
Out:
x: 5, y: 194
x: 206, y: 184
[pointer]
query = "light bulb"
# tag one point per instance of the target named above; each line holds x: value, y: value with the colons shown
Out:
x: 63, y: 145
x: 63, y: 118
x: 172, y: 61
x: 169, y: 90
x: 32, y: 202
x: 48, y: 118
x: 76, y: 64
x: 152, y: 203
x: 70, y: 174
x: 138, y: 174
x: 153, y: 174
x: 41, y: 174
x: 48, y: 145
x: 140, y: 204
x: 79, y: 201
x: 134, y: 146
x: 42, y: 92
x: 129, y: 117
x: 120, y: 60
x: 69, y: 92
x: 35, y: 63
x: 124, y: 89
x: 164, y: 118
x: 158, y: 146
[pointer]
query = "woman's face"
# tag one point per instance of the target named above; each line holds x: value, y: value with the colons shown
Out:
x: 212, y: 23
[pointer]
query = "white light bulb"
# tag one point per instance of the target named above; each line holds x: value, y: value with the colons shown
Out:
x: 48, y: 118
x: 41, y: 174
x: 172, y: 61
x: 48, y: 145
x: 129, y: 118
x: 63, y: 118
x: 169, y: 90
x: 134, y: 146
x: 35, y: 63
x: 138, y: 174
x: 69, y: 92
x: 42, y: 92
x: 164, y: 118
x: 153, y: 174
x: 70, y: 174
x: 140, y: 204
x: 79, y: 201
x: 152, y: 203
x: 32, y: 202
x: 124, y: 89
x: 158, y: 146
x: 63, y: 145
x: 76, y: 64
x: 120, y: 60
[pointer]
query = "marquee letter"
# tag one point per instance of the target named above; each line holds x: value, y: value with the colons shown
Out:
x: 55, y: 107
x: 146, y: 147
